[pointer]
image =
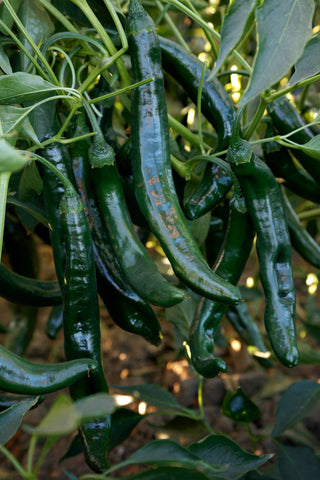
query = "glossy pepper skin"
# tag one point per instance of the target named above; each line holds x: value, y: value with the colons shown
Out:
x: 28, y: 291
x: 286, y: 119
x: 229, y: 265
x: 129, y: 311
x: 53, y: 190
x: 301, y: 239
x: 18, y: 375
x: 282, y: 165
x: 81, y: 322
x: 137, y: 264
x: 216, y: 106
x: 151, y: 163
x: 265, y: 207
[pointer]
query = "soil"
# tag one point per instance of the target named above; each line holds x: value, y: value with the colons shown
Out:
x: 130, y: 360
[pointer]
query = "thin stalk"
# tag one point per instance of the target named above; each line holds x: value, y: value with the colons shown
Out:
x: 256, y: 119
x: 303, y: 97
x: 201, y: 407
x: 159, y: 19
x: 310, y: 214
x: 120, y: 91
x: 173, y: 27
x: 199, y: 95
x: 118, y: 24
x: 24, y: 50
x: 182, y: 170
x: 64, y: 180
x: 85, y: 8
x: 280, y: 93
x: 208, y: 36
x: 185, y: 132
x: 105, y: 63
x: 4, y: 182
x: 13, y: 460
x: 30, y: 40
x: 46, y: 448
x: 32, y: 446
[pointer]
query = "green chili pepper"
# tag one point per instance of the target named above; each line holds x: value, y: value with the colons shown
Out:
x: 265, y: 207
x: 301, y: 240
x: 18, y: 375
x: 127, y: 309
x: 216, y: 106
x: 137, y: 264
x: 53, y: 191
x: 286, y: 119
x: 229, y: 265
x: 81, y: 322
x: 152, y: 173
x: 284, y: 166
x: 28, y: 291
x: 7, y: 400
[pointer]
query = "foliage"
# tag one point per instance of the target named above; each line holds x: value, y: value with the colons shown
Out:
x: 54, y: 56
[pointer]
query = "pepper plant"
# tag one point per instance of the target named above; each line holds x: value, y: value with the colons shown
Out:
x: 95, y: 161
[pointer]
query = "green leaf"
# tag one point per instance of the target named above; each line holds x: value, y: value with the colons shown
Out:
x: 61, y: 419
x: 308, y: 63
x: 93, y: 406
x: 295, y: 404
x: 283, y: 29
x: 123, y: 421
x: 23, y: 87
x: 37, y: 23
x: 181, y: 315
x: 236, y: 23
x: 11, y: 159
x: 152, y: 395
x: 166, y: 453
x: 30, y: 182
x: 239, y: 407
x: 31, y: 208
x: 308, y: 355
x: 312, y: 148
x: 6, y: 16
x: 66, y: 416
x: 4, y: 61
x: 168, y: 473
x: 221, y: 450
x: 298, y: 463
x: 11, y: 418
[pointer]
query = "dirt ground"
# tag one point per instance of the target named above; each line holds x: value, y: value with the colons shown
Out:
x: 130, y: 360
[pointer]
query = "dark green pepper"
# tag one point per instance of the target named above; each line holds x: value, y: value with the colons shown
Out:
x: 28, y: 291
x: 265, y: 207
x: 229, y: 265
x: 152, y: 173
x: 216, y: 106
x: 18, y: 375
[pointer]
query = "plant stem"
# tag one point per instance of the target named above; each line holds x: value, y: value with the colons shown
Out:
x: 309, y: 214
x: 14, y: 461
x: 303, y: 83
x: 85, y: 8
x: 119, y: 91
x: 200, y: 403
x: 4, y: 181
x: 173, y: 27
x: 199, y: 95
x: 31, y: 42
x: 185, y: 132
x: 256, y: 119
x: 32, y: 446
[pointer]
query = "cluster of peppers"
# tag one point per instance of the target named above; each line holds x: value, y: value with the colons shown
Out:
x: 97, y: 249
